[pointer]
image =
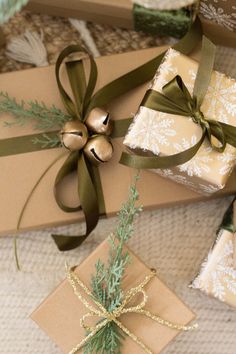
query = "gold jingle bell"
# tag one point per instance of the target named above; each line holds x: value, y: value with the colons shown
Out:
x: 99, y: 122
x: 98, y: 149
x: 74, y: 135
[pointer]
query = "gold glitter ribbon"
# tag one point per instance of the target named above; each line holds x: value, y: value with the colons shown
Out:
x: 107, y: 317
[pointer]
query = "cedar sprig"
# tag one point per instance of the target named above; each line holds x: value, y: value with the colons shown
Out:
x: 34, y: 112
x: 106, y: 282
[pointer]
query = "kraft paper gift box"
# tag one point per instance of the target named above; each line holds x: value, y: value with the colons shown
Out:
x: 217, y: 276
x: 59, y: 314
x: 165, y: 134
x: 218, y: 19
x: 20, y: 172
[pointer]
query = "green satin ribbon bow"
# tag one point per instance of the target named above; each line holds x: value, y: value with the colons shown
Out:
x: 89, y: 184
x: 176, y: 99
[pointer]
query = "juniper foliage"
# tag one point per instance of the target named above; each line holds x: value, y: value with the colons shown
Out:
x: 106, y: 282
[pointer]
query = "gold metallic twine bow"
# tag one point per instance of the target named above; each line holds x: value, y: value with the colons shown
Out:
x: 107, y: 317
x: 80, y: 110
x: 176, y: 99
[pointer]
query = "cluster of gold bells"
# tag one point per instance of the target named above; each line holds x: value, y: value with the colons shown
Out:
x: 91, y: 136
x: 107, y: 317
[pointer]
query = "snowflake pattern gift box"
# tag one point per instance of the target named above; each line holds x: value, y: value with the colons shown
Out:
x: 60, y: 313
x: 217, y: 276
x: 166, y: 134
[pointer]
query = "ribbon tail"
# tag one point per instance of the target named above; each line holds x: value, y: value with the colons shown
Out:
x: 68, y: 167
x: 120, y: 127
x: 229, y: 133
x: 68, y: 243
x: 154, y: 162
x: 89, y: 200
x: 145, y: 72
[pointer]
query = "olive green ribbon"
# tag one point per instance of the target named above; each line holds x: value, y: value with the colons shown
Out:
x: 89, y: 185
x: 176, y: 99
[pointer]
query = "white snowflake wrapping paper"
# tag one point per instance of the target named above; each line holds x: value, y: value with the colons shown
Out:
x: 217, y: 277
x: 165, y: 134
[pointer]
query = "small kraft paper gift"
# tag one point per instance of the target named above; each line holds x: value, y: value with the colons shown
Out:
x: 217, y: 276
x: 186, y: 123
x: 112, y: 302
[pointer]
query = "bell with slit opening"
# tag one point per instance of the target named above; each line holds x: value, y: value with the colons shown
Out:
x: 99, y: 122
x: 74, y: 135
x: 99, y: 149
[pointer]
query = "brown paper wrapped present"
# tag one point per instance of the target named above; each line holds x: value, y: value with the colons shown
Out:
x: 59, y: 315
x: 20, y: 172
x: 218, y: 19
x: 217, y: 276
x: 168, y: 134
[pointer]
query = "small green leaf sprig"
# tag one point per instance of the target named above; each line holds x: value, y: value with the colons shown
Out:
x: 106, y: 282
x: 38, y: 114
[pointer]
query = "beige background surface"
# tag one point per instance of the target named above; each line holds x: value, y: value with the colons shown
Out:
x: 174, y: 240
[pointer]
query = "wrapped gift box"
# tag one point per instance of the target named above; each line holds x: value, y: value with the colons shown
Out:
x: 59, y: 315
x: 218, y: 18
x: 165, y: 134
x: 20, y: 172
x: 217, y: 276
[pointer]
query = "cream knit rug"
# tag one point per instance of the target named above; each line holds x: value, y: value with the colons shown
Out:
x: 173, y: 240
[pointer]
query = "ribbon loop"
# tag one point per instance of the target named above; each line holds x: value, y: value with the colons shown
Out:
x: 178, y: 94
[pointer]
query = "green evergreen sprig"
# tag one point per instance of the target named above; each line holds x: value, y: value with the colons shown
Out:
x: 106, y: 282
x: 41, y: 117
